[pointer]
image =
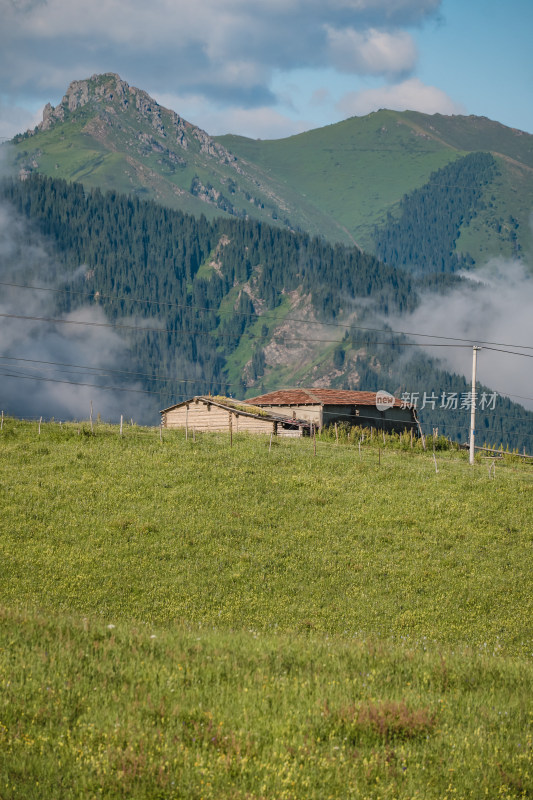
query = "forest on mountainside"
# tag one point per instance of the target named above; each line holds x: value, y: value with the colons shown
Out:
x: 423, y: 236
x: 150, y: 262
x: 192, y: 291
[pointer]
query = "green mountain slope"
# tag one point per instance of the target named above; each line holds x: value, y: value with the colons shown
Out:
x: 108, y: 134
x: 352, y: 171
x: 358, y: 170
x: 338, y: 182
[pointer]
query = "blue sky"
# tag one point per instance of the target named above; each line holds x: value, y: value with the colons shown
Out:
x: 271, y: 68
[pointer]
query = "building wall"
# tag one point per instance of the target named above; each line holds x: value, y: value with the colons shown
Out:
x: 207, y: 417
x: 368, y: 416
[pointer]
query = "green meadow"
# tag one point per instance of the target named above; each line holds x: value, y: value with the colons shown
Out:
x: 190, y: 619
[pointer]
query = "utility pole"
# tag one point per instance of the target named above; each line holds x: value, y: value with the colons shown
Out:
x: 473, y: 407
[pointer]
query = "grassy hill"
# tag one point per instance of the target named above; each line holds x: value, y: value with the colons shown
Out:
x: 110, y: 135
x: 353, y: 170
x: 186, y: 619
x: 358, y: 170
x: 337, y: 182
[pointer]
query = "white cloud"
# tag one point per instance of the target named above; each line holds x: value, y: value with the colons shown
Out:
x: 494, y: 306
x: 373, y: 52
x: 14, y: 119
x: 411, y: 94
x: 33, y: 389
x: 256, y: 123
x: 225, y: 50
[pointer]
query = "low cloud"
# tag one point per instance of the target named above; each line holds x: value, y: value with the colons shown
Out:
x: 409, y: 95
x: 493, y: 306
x: 31, y: 388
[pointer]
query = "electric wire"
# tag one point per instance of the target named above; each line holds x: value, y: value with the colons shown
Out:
x: 198, y: 333
x: 94, y: 370
x: 211, y: 334
x: 115, y: 371
x: 347, y: 417
x: 343, y: 325
x: 78, y: 383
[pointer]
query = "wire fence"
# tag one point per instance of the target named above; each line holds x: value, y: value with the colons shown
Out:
x: 367, y: 445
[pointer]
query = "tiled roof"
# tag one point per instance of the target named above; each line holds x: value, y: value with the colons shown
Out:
x: 333, y: 397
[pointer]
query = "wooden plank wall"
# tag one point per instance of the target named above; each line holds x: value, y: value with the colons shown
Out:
x: 205, y: 417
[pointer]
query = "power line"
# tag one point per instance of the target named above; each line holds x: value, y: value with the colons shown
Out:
x: 410, y: 423
x: 181, y: 380
x: 498, y: 432
x: 116, y: 371
x: 508, y: 394
x: 196, y: 381
x: 264, y: 316
x: 78, y: 383
x: 511, y: 352
x: 448, y: 426
x: 229, y: 336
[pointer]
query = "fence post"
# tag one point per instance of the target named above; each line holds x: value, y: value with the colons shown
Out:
x: 336, y: 434
x: 40, y: 420
x: 121, y: 420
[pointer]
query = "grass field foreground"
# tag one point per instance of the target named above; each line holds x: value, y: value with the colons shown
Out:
x: 183, y: 619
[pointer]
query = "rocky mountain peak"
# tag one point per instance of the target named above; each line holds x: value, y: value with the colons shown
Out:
x: 109, y: 94
x: 108, y: 87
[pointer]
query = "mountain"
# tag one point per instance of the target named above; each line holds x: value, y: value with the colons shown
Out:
x: 172, y: 305
x: 359, y: 171
x: 237, y: 265
x: 350, y: 182
x: 108, y: 134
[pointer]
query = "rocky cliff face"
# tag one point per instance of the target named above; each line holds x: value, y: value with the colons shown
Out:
x: 121, y: 137
x: 108, y: 93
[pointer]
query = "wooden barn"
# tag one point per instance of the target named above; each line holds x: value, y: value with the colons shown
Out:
x: 323, y: 407
x: 211, y: 414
